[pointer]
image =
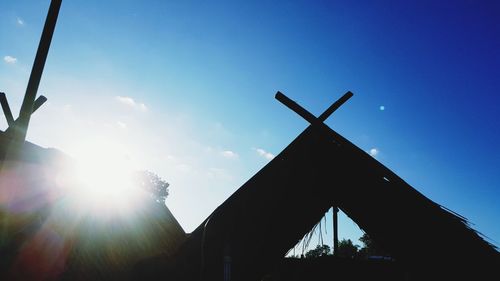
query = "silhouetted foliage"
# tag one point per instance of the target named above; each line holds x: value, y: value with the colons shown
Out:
x: 321, y: 250
x: 370, y: 248
x: 347, y: 249
x: 154, y: 184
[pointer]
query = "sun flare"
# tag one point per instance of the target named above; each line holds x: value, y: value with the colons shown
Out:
x: 104, y: 178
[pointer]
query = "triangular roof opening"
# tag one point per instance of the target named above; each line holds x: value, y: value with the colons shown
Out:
x: 322, y: 233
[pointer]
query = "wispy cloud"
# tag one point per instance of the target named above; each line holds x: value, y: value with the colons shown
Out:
x: 130, y: 102
x: 229, y: 154
x: 20, y: 21
x: 265, y: 154
x: 9, y: 59
x: 374, y: 152
x: 126, y: 100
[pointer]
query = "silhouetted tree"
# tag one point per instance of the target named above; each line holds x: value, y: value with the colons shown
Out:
x: 154, y: 184
x: 370, y: 248
x: 347, y: 249
x: 321, y: 250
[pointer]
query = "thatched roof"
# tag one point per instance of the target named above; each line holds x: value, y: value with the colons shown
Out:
x: 43, y: 237
x: 268, y: 215
x: 272, y: 211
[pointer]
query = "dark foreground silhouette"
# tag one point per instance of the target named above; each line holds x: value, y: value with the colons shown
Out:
x: 255, y: 227
x: 248, y: 235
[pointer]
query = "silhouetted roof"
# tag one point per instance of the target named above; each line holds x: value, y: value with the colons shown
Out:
x: 33, y: 211
x: 273, y: 210
x: 30, y: 152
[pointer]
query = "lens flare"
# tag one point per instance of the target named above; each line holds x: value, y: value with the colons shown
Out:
x: 103, y: 179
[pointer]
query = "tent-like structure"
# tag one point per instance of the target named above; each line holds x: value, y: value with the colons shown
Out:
x: 43, y: 237
x: 246, y: 236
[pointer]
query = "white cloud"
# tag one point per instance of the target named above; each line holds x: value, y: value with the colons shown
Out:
x: 9, y: 59
x: 373, y: 152
x: 265, y: 154
x: 128, y: 101
x: 20, y: 21
x: 229, y: 154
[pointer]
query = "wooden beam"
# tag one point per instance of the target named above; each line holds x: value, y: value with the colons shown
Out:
x: 38, y: 102
x: 334, y: 106
x: 308, y: 116
x: 6, y: 109
x: 21, y: 127
x: 296, y: 107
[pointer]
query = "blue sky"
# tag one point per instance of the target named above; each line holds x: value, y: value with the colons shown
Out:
x: 186, y: 89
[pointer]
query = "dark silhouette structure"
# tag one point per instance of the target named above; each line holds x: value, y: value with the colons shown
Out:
x: 248, y: 235
x: 16, y: 132
x: 19, y: 127
x: 333, y: 268
x: 44, y: 238
x: 252, y: 230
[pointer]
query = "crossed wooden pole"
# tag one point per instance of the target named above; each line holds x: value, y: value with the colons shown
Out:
x: 8, y: 113
x: 18, y: 128
x: 308, y: 116
x: 313, y: 120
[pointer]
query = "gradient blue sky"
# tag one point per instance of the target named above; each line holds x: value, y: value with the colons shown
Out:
x: 186, y: 89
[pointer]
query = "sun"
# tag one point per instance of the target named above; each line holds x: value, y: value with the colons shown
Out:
x: 103, y: 178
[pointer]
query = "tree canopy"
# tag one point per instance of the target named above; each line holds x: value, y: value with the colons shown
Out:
x: 370, y: 248
x: 347, y: 249
x: 320, y: 250
x: 154, y: 184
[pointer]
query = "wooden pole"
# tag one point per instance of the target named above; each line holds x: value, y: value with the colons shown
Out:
x: 6, y: 109
x: 22, y: 123
x: 335, y: 212
x: 308, y: 116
